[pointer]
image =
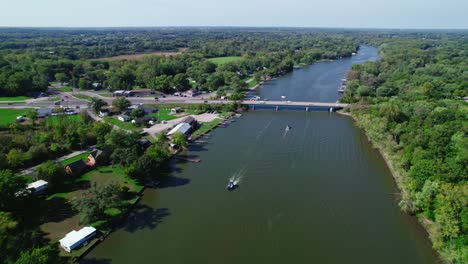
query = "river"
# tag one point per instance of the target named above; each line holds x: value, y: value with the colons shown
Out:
x: 318, y: 193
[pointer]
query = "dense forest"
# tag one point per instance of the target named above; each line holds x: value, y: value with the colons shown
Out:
x: 412, y: 104
x: 31, y: 59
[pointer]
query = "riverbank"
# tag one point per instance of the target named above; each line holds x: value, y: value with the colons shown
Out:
x: 397, y: 176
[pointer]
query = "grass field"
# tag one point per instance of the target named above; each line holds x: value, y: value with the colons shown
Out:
x: 163, y: 114
x: 223, y: 60
x: 122, y: 125
x: 82, y: 156
x: 8, y: 116
x: 64, y: 88
x: 56, y: 119
x: 14, y: 99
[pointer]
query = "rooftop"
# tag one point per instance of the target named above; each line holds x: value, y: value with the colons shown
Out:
x: 75, y: 236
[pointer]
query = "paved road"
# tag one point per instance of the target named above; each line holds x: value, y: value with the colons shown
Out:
x: 30, y: 171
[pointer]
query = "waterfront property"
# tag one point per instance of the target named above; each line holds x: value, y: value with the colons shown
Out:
x: 38, y: 186
x: 75, y: 239
x: 183, y: 128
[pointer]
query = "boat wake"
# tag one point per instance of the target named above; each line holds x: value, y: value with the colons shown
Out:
x: 239, y: 175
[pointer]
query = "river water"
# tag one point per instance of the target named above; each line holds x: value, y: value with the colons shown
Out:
x: 317, y: 193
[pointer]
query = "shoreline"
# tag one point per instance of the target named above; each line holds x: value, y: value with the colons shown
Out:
x: 422, y: 221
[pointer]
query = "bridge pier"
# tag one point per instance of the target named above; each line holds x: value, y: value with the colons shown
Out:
x: 253, y: 107
x: 277, y: 108
x: 331, y: 109
x: 307, y: 109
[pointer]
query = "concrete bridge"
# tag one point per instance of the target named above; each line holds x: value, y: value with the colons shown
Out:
x: 307, y: 106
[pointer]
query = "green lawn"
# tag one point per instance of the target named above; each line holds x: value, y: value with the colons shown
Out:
x: 252, y: 83
x: 14, y: 99
x: 8, y: 115
x: 205, y: 127
x: 122, y: 125
x: 56, y: 119
x: 163, y: 114
x: 64, y: 88
x: 82, y: 96
x: 82, y: 156
x: 223, y: 60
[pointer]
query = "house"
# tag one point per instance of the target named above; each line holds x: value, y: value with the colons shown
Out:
x: 118, y: 93
x: 144, y: 143
x: 94, y: 157
x: 96, y: 85
x: 176, y: 110
x: 124, y: 118
x: 183, y: 128
x: 75, y: 239
x: 148, y: 110
x: 191, y: 93
x: 37, y: 186
x: 76, y: 168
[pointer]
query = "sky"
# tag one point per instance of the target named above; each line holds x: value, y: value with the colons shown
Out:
x: 413, y: 14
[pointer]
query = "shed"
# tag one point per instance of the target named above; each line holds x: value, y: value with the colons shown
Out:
x: 124, y: 118
x: 183, y: 128
x: 189, y: 120
x: 37, y: 186
x: 74, y: 239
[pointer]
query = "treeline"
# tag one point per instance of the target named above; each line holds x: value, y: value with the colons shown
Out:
x: 411, y: 104
x: 29, y: 60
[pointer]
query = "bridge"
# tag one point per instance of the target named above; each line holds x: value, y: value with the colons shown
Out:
x: 307, y: 106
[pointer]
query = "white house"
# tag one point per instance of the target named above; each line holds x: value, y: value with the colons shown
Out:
x: 74, y: 239
x: 37, y: 186
x: 176, y: 110
x: 183, y: 128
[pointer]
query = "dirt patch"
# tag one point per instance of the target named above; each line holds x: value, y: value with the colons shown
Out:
x: 141, y: 55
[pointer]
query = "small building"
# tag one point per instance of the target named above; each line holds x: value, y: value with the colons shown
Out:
x: 76, y: 168
x: 128, y: 93
x: 37, y: 186
x: 118, y: 93
x: 96, y: 85
x: 176, y: 110
x: 183, y: 128
x: 189, y: 120
x: 124, y: 118
x: 191, y: 93
x: 75, y: 239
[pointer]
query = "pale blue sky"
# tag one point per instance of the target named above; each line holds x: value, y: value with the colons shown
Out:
x: 303, y: 13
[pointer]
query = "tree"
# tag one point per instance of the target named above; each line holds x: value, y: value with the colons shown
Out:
x: 83, y: 83
x: 96, y: 104
x: 95, y: 201
x: 14, y: 158
x: 181, y: 82
x: 42, y: 255
x: 32, y: 114
x: 9, y: 186
x: 61, y: 77
x: 120, y: 104
x: 52, y: 172
x: 137, y: 112
x: 161, y: 83
x: 179, y: 139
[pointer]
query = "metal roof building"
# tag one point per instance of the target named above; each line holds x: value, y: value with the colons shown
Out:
x: 76, y: 238
x: 183, y: 128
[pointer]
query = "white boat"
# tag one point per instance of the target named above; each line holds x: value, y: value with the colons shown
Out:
x: 288, y: 128
x: 283, y: 97
x: 232, y: 184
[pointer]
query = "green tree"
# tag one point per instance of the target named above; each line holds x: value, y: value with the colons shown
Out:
x: 96, y: 104
x: 9, y: 186
x: 32, y: 114
x: 161, y: 83
x: 179, y: 139
x: 14, y: 158
x: 52, y: 172
x: 120, y: 104
x: 61, y: 77
x: 137, y: 112
x: 40, y: 255
x: 96, y: 200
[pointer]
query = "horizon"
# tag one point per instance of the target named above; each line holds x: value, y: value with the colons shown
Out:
x: 351, y: 14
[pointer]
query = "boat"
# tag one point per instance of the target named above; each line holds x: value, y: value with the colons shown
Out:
x: 283, y: 97
x: 288, y: 128
x: 232, y: 184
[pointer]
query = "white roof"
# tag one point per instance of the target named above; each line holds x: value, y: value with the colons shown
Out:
x: 182, y: 127
x: 37, y: 184
x: 75, y: 236
x: 119, y: 91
